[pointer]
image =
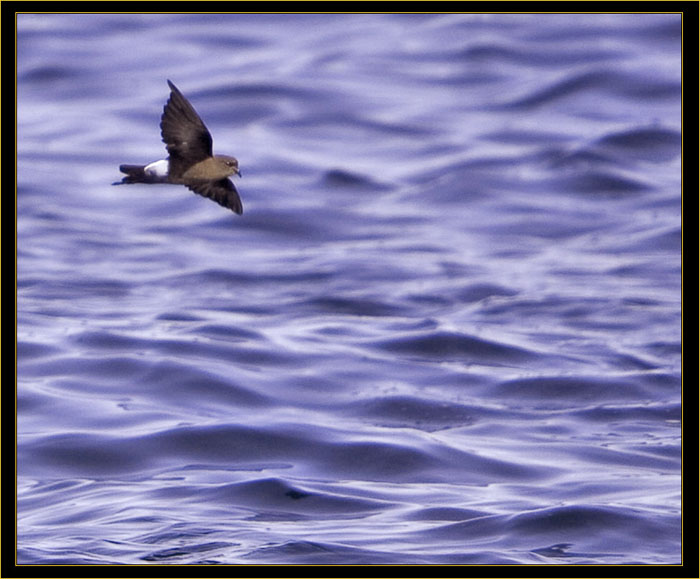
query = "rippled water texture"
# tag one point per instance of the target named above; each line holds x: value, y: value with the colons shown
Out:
x: 446, y: 328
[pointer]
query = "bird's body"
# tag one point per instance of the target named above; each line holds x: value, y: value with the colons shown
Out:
x: 191, y: 161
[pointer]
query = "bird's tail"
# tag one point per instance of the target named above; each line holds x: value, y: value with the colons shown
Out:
x: 134, y: 174
x: 137, y: 174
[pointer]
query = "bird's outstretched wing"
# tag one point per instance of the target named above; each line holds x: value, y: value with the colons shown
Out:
x: 186, y: 137
x: 222, y: 191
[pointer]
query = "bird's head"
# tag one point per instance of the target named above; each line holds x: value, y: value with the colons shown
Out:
x: 228, y: 164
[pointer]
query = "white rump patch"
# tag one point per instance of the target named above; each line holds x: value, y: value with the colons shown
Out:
x: 157, y: 168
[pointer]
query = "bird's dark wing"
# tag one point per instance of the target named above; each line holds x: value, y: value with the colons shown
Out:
x: 223, y: 192
x: 185, y: 136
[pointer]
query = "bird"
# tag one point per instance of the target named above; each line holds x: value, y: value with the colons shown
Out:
x: 190, y: 161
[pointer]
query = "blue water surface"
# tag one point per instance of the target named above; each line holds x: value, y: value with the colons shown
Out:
x: 446, y: 328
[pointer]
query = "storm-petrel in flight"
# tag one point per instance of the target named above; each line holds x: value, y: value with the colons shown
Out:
x: 190, y: 162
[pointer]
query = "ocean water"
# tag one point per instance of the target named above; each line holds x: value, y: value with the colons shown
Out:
x: 446, y: 329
